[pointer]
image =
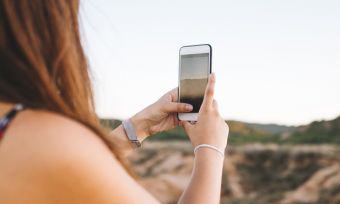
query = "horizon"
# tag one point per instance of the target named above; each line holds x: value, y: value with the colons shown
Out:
x: 254, y: 122
x: 275, y: 62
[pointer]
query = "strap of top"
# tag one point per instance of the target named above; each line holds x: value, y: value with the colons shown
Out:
x: 4, y: 121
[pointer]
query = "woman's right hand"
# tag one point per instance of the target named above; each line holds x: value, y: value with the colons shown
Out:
x: 210, y: 127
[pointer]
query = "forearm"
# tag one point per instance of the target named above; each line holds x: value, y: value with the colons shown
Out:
x: 119, y: 140
x: 205, y: 183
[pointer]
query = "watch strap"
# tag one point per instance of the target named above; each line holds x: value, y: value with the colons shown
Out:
x: 131, y: 133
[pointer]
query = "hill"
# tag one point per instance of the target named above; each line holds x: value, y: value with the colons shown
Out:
x: 316, y: 132
x: 272, y: 128
x: 240, y: 132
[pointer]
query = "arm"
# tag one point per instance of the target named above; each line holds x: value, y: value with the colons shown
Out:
x: 159, y: 116
x: 119, y: 141
x: 205, y: 183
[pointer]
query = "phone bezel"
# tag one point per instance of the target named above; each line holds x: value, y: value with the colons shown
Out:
x: 186, y: 50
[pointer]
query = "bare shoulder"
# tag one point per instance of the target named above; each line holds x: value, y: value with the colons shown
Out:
x: 67, y: 161
x: 47, y: 139
x: 50, y: 126
x: 50, y: 134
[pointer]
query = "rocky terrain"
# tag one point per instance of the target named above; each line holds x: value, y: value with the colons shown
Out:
x: 253, y: 173
x: 265, y: 163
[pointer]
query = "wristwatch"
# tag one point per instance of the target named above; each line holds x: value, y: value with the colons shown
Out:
x: 131, y: 133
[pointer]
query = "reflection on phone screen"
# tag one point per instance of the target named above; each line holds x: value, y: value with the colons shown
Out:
x: 194, y: 74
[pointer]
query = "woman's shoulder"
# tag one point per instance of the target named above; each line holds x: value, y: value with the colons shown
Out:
x: 44, y: 132
x: 38, y: 139
x: 48, y: 138
x: 61, y: 156
x: 66, y: 161
x: 51, y: 130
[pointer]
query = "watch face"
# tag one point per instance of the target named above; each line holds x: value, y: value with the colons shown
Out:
x: 131, y: 133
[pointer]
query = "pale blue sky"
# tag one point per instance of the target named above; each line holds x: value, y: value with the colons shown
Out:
x: 275, y: 61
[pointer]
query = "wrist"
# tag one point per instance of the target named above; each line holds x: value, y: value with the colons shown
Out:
x: 141, y: 126
x: 209, y: 155
x: 211, y: 147
x: 119, y: 141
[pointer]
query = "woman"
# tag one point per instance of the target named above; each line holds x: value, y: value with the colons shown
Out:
x: 52, y: 148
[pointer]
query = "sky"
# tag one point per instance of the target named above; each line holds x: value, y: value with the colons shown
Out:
x: 275, y: 61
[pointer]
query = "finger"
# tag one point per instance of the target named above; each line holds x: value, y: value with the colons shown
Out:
x: 172, y: 95
x: 209, y: 91
x: 176, y: 122
x: 174, y: 107
x: 215, y: 104
x: 186, y: 125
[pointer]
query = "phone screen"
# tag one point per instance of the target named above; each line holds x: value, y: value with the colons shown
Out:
x: 194, y: 74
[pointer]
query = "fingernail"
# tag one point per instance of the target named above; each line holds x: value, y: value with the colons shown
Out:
x: 188, y: 107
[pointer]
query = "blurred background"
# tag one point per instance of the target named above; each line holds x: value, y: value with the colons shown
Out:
x: 277, y: 65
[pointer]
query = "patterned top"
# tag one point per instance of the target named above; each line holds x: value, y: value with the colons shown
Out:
x: 6, y: 120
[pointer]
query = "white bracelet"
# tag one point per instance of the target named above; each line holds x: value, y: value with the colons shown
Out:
x: 221, y: 153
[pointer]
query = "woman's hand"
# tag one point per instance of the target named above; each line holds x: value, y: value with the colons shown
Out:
x: 210, y: 127
x: 159, y: 116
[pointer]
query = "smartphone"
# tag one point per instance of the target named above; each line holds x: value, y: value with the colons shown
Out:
x: 194, y: 70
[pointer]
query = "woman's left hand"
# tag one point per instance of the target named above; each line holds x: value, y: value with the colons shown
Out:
x: 159, y: 116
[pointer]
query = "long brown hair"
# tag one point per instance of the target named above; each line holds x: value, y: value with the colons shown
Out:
x: 42, y: 61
